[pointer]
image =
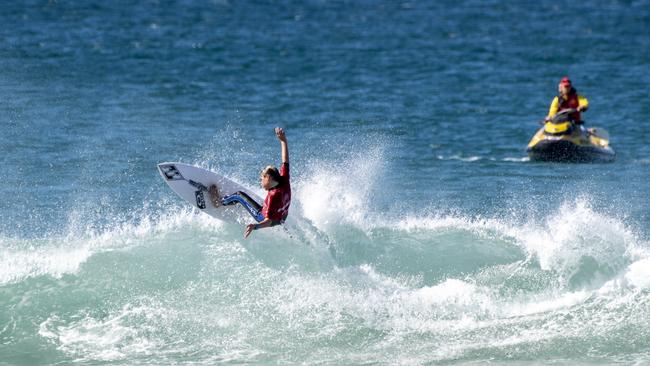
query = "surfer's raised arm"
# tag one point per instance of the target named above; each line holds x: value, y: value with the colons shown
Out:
x: 283, y: 144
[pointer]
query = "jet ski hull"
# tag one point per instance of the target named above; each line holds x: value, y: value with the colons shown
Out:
x: 569, y: 152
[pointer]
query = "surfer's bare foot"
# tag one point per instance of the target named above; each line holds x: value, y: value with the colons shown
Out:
x: 214, y: 195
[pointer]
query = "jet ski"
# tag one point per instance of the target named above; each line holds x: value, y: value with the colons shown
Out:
x: 562, y: 140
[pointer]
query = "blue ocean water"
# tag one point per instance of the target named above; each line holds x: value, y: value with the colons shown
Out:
x: 420, y: 232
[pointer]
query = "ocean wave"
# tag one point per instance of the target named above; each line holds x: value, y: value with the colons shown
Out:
x: 574, y: 229
x: 442, y: 286
x: 572, y: 247
x: 183, y: 284
x: 255, y: 314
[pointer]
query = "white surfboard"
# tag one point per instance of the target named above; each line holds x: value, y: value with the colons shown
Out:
x: 192, y: 183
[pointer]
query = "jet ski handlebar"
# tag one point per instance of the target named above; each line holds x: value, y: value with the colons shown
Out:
x: 563, y: 115
x: 566, y: 111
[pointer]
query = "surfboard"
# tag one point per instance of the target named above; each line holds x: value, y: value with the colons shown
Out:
x: 192, y: 183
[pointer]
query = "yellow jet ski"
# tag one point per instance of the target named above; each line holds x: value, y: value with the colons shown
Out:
x: 562, y: 140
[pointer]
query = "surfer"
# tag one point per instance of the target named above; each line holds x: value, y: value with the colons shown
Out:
x: 278, y: 197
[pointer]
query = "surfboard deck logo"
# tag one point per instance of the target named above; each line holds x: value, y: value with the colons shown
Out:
x: 200, y: 200
x: 170, y: 172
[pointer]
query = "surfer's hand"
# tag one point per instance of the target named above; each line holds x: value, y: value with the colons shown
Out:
x: 249, y: 230
x: 279, y: 131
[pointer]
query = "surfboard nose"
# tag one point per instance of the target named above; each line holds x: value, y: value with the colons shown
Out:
x: 169, y: 171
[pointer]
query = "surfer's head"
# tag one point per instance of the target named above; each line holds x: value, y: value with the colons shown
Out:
x: 270, y: 177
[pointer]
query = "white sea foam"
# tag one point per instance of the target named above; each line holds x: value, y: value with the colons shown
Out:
x: 577, y: 232
x: 21, y: 259
x: 113, y: 338
x: 468, y: 159
x: 57, y: 255
x: 475, y: 158
x: 331, y: 190
x: 638, y: 273
x: 517, y: 160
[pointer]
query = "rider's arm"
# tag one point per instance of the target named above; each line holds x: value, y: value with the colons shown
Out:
x: 553, y: 110
x: 260, y: 225
x: 283, y: 144
x: 583, y: 103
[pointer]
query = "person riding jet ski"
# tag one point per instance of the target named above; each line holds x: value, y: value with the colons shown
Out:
x: 564, y: 138
x: 568, y: 98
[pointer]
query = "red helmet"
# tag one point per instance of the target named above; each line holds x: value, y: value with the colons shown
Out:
x: 565, y: 81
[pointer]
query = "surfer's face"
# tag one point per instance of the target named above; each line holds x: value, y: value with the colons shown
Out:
x: 266, y: 181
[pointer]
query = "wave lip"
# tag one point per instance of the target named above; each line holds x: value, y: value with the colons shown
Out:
x: 580, y: 245
x: 19, y: 264
x: 58, y: 255
x: 638, y: 274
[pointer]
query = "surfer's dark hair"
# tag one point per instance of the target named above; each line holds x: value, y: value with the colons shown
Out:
x: 272, y: 172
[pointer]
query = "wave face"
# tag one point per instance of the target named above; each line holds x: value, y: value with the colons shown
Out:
x: 178, y: 286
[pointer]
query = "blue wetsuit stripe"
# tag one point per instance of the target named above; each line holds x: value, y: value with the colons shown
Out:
x: 235, y: 198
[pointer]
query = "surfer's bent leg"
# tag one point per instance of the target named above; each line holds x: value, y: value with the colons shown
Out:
x: 254, y: 208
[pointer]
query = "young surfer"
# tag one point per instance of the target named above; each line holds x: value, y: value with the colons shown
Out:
x: 278, y: 197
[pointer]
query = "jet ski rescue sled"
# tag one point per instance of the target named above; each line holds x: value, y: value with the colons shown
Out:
x: 562, y: 140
